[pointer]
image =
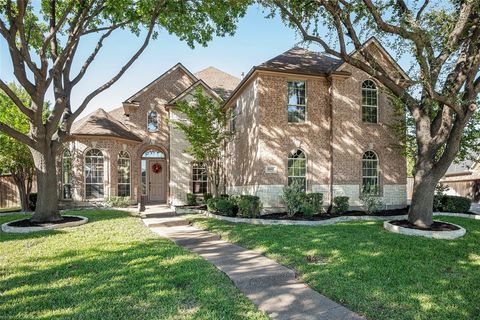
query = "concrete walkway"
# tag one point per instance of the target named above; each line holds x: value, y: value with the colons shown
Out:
x: 272, y: 287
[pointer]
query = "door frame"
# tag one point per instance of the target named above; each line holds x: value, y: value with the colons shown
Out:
x: 163, y: 162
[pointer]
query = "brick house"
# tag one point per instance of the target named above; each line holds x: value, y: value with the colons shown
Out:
x: 301, y: 117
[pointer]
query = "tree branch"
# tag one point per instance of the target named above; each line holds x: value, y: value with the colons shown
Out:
x: 24, y: 109
x: 17, y: 135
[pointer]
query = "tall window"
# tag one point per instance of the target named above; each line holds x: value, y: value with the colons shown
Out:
x: 370, y: 173
x: 199, y: 179
x: 67, y: 174
x: 369, y: 102
x: 296, y: 101
x: 123, y: 174
x: 297, y: 169
x: 233, y: 118
x: 94, y: 172
x: 152, y: 121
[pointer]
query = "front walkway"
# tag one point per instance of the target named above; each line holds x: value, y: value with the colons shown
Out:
x: 272, y: 287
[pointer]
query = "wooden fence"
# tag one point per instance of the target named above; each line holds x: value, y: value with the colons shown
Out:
x: 9, y: 197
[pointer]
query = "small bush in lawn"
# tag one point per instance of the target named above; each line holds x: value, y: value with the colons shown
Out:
x: 225, y: 207
x: 340, y: 204
x: 118, y: 202
x: 313, y: 202
x: 452, y: 204
x: 371, y: 203
x: 249, y: 206
x: 191, y: 199
x: 293, y: 197
x: 206, y: 197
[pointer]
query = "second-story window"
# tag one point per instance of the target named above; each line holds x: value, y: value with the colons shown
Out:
x: 152, y: 121
x: 369, y: 102
x: 233, y: 118
x: 296, y: 101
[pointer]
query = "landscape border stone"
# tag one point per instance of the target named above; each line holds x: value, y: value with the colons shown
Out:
x: 183, y: 210
x: 445, y: 235
x: 9, y: 229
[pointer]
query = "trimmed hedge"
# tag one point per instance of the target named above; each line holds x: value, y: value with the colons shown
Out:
x: 340, y: 204
x: 454, y: 204
x: 221, y: 205
x: 249, y: 206
x: 312, y: 203
x: 191, y: 199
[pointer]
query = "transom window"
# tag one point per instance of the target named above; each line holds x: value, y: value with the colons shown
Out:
x: 67, y: 174
x: 369, y: 102
x: 297, y: 169
x: 296, y: 101
x: 152, y: 153
x: 370, y: 173
x: 94, y: 174
x: 152, y: 121
x: 199, y: 179
x: 123, y: 174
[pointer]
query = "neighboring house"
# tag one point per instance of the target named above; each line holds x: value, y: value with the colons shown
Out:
x: 463, y: 179
x: 301, y: 117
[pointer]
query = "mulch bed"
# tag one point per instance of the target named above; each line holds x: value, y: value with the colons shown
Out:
x: 326, y: 216
x: 436, y: 226
x: 27, y: 223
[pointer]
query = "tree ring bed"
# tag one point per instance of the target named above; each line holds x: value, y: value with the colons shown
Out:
x: 25, y: 225
x: 438, y: 230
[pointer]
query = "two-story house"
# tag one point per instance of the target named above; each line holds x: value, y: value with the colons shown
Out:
x: 301, y: 117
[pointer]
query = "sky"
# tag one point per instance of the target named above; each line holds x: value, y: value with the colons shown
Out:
x: 256, y: 40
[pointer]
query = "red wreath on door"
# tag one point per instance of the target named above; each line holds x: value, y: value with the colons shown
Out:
x: 157, y: 168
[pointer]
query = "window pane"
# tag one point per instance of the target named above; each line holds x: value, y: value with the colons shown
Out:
x: 94, y: 171
x: 152, y: 121
x: 199, y: 179
x: 296, y: 101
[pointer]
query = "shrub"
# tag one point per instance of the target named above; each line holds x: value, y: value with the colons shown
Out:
x: 118, y: 202
x: 371, y: 203
x: 224, y: 195
x: 340, y: 204
x: 212, y: 204
x: 249, y: 206
x: 206, y: 197
x: 293, y: 197
x: 32, y: 201
x: 312, y: 202
x: 440, y: 192
x: 452, y: 204
x: 191, y: 199
x: 225, y: 207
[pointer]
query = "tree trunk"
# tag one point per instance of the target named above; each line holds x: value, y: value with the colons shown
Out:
x: 421, y: 208
x: 20, y: 181
x: 47, y: 196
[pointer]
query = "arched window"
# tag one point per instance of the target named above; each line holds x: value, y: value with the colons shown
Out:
x: 67, y: 174
x: 123, y: 174
x: 369, y: 102
x: 370, y: 173
x: 199, y: 179
x: 297, y: 169
x: 94, y: 172
x: 152, y: 121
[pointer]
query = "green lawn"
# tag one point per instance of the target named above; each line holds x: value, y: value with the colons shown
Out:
x: 111, y: 268
x: 371, y: 271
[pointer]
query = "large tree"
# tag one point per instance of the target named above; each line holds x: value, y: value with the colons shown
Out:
x: 43, y: 39
x: 15, y: 158
x: 443, y: 39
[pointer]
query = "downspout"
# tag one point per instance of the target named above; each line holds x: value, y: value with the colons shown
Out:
x: 330, y: 105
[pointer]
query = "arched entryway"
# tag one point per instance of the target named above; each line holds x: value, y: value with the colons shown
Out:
x: 154, y: 175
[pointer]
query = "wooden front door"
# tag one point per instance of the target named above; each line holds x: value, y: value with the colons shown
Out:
x: 157, y: 180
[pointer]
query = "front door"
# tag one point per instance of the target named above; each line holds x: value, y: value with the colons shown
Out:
x: 157, y: 187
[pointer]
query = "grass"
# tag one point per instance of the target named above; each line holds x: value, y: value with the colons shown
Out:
x: 111, y: 268
x: 376, y: 273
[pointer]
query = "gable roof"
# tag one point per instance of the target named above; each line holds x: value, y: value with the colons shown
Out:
x: 163, y: 75
x: 101, y: 123
x: 221, y: 82
x: 192, y: 87
x: 374, y: 41
x: 466, y: 166
x: 300, y: 60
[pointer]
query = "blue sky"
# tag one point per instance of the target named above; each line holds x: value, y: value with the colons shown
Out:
x: 257, y: 39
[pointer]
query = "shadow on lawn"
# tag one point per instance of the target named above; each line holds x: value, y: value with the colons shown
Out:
x: 152, y: 279
x: 375, y: 272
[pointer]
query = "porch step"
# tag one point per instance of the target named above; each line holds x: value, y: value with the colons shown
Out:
x: 165, y: 222
x: 160, y: 215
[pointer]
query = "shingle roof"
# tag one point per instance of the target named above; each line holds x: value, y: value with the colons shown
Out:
x: 300, y: 60
x: 100, y: 123
x: 465, y: 166
x: 220, y: 82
